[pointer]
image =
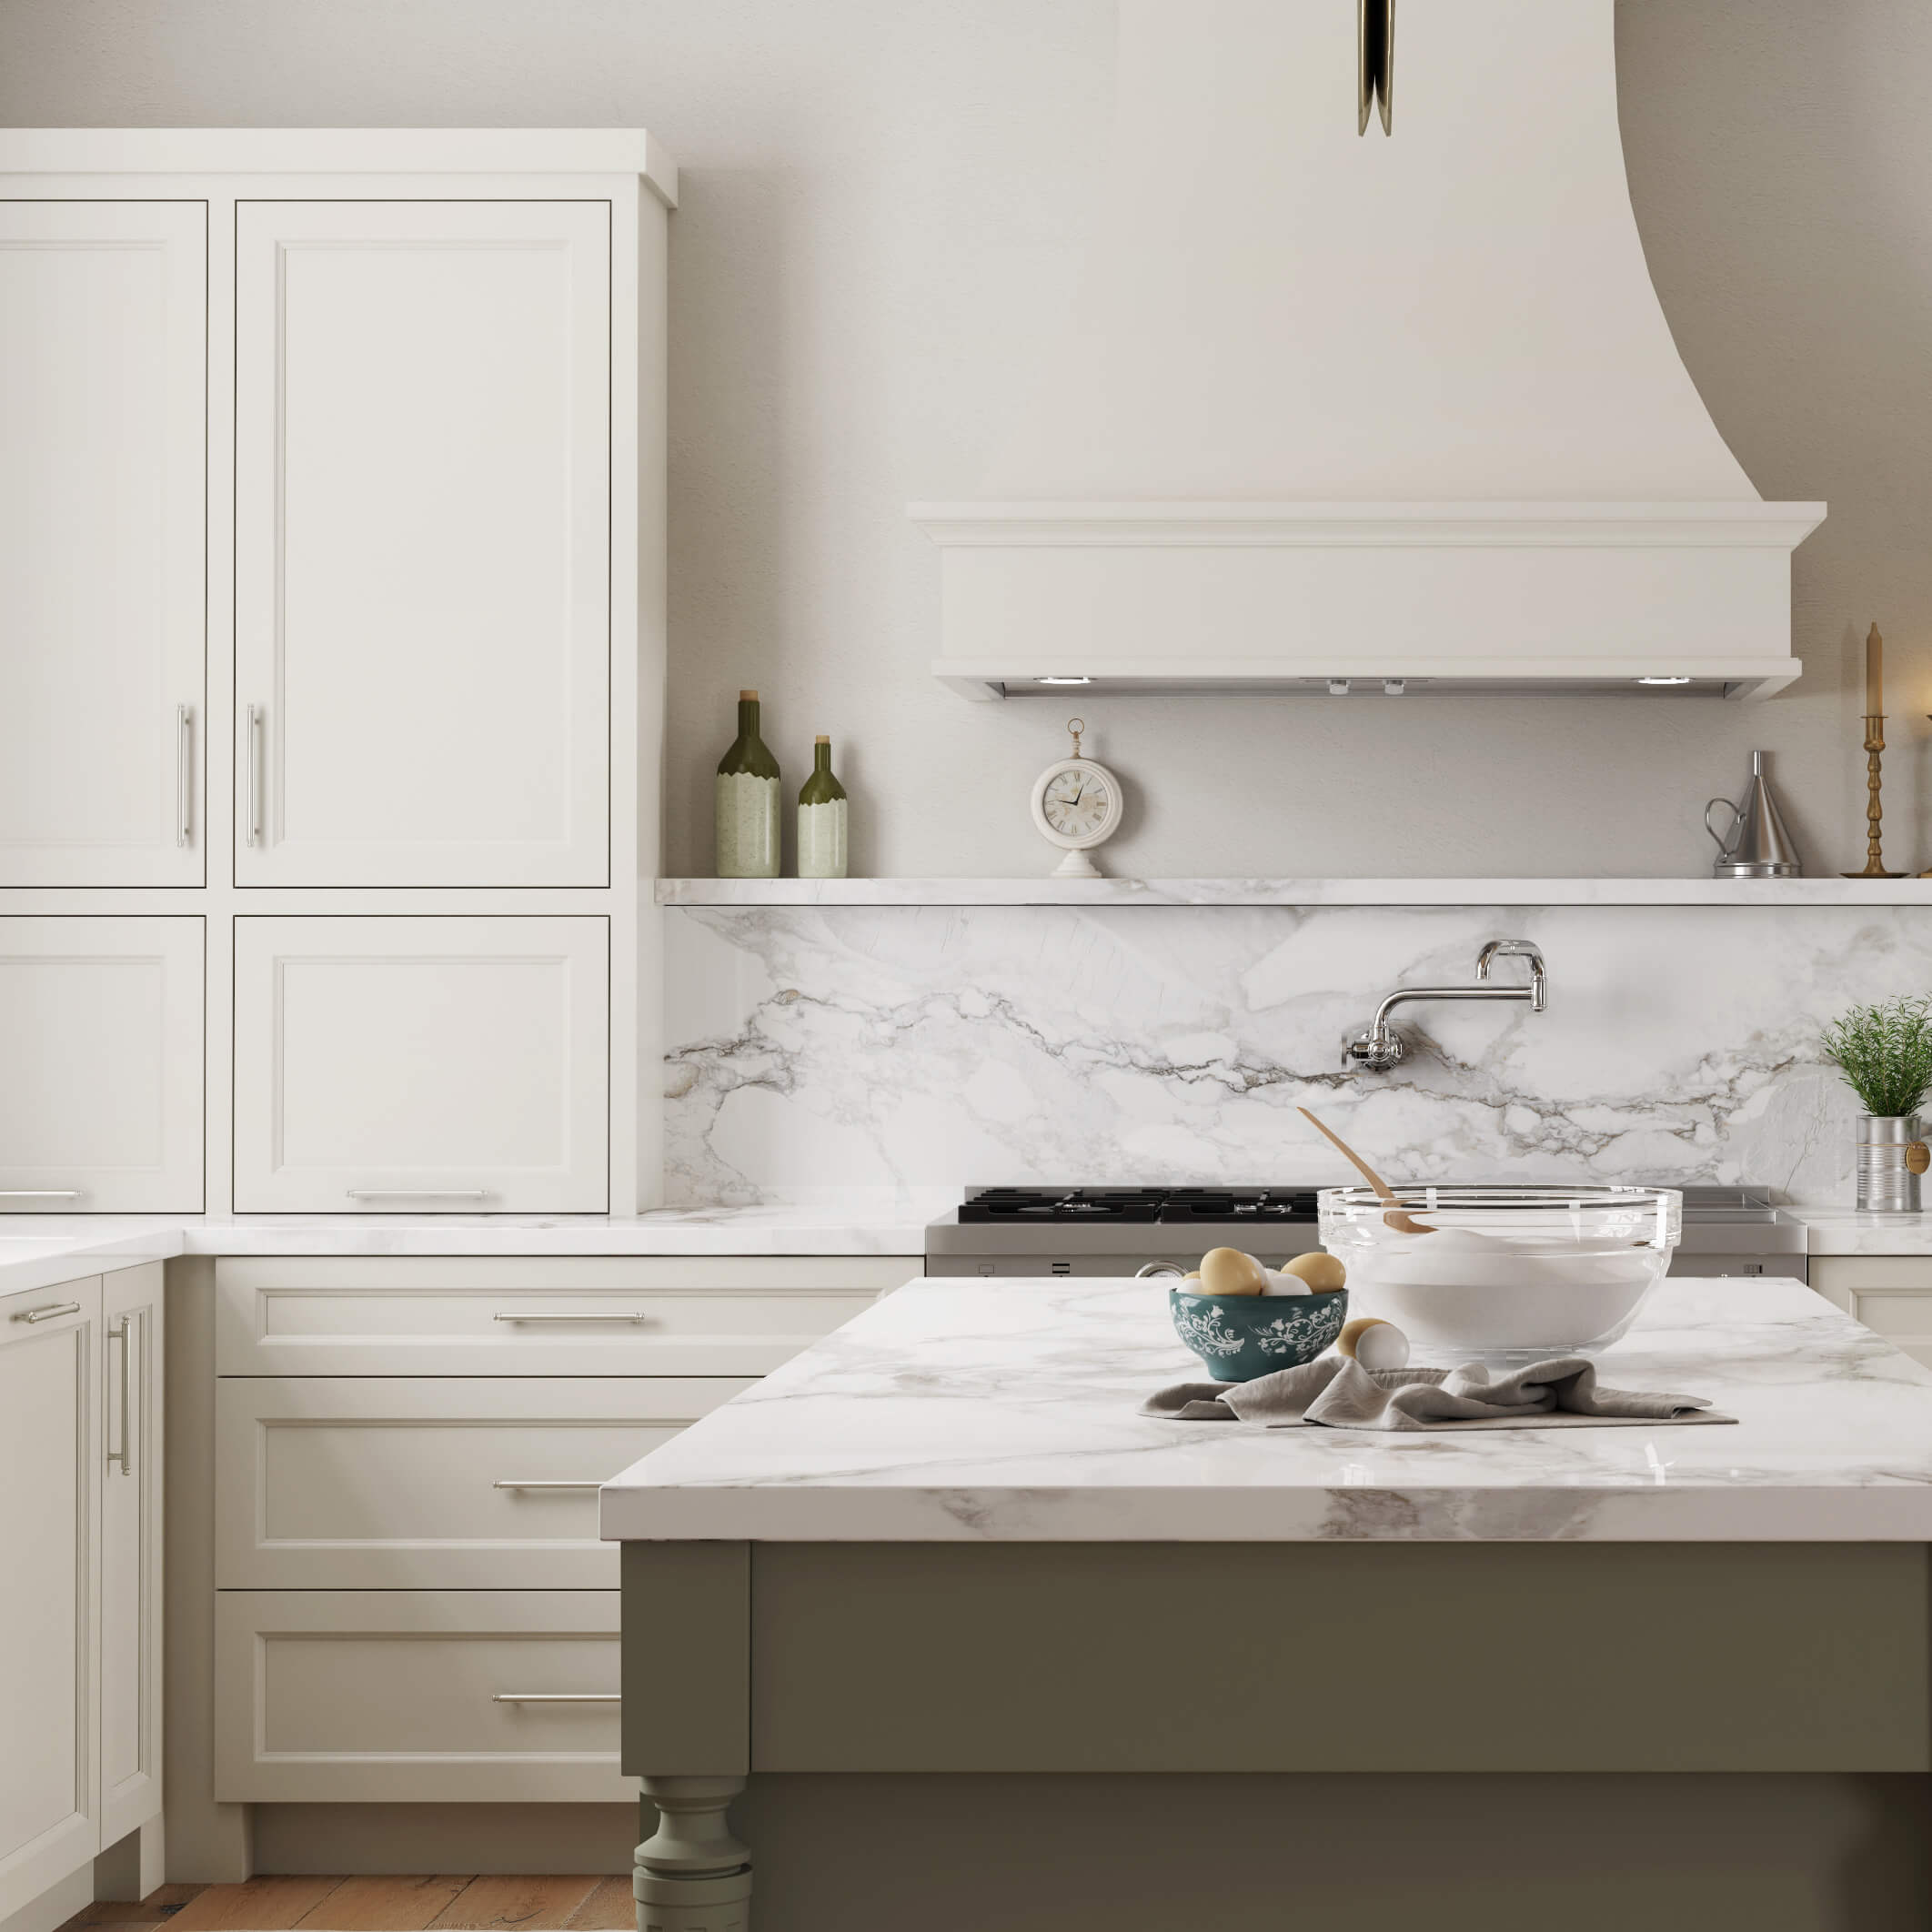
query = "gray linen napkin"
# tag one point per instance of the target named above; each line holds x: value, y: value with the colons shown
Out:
x: 1337, y: 1393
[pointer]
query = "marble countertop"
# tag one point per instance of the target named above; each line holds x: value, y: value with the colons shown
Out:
x: 1845, y: 1231
x: 964, y: 1411
x: 41, y: 1249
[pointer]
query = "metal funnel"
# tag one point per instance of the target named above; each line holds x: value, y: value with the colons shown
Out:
x: 1756, y: 845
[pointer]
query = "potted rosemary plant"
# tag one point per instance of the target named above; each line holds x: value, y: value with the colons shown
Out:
x: 1884, y: 1053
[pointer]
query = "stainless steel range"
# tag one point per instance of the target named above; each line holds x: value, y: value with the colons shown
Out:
x: 1034, y: 1231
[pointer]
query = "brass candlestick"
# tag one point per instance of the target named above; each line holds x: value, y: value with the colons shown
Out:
x: 1874, y: 811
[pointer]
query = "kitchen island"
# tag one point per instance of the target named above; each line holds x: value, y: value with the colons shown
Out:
x: 977, y: 1641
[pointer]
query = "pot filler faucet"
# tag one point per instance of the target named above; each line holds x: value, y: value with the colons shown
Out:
x: 1382, y: 1047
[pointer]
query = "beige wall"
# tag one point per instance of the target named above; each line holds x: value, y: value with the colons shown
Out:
x: 877, y: 196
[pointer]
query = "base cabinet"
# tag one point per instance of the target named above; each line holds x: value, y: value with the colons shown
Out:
x: 80, y: 1615
x: 1891, y: 1294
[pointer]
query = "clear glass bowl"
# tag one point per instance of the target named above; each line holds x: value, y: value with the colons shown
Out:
x: 1512, y: 1273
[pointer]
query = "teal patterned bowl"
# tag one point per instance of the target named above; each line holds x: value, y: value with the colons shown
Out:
x: 1240, y: 1336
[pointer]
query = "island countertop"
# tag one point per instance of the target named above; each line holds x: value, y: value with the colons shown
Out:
x: 983, y: 1411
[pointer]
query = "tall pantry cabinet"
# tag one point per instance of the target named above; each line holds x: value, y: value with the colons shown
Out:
x: 332, y: 601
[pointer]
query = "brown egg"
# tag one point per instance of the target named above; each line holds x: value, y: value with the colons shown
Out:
x: 1322, y: 1272
x: 1227, y: 1271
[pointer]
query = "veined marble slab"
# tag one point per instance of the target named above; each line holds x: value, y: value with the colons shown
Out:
x: 1051, y: 891
x: 1842, y: 1231
x: 970, y: 1411
x: 814, y: 1050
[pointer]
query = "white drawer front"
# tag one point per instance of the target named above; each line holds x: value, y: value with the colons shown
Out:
x: 462, y: 1485
x: 392, y: 1696
x: 650, y: 1315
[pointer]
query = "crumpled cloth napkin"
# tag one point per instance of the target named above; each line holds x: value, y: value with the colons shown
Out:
x: 1337, y: 1393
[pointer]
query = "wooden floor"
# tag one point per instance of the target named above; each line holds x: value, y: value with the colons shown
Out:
x: 375, y: 1905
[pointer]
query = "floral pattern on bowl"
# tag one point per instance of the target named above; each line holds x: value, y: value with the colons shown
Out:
x: 1240, y: 1336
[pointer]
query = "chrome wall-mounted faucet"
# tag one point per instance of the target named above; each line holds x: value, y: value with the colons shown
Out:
x: 1382, y: 1047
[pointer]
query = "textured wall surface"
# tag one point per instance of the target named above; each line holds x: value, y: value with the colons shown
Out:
x: 817, y: 1051
x: 880, y: 198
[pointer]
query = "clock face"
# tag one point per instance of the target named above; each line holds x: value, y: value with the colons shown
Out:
x: 1076, y: 803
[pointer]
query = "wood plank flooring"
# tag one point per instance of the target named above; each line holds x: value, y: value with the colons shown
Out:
x: 492, y: 1903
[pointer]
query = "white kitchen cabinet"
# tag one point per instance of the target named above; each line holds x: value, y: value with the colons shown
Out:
x: 417, y: 1696
x: 392, y: 1483
x: 50, y: 1532
x: 423, y: 557
x: 100, y: 1065
x: 1891, y: 1294
x: 421, y: 1065
x: 103, y: 508
x: 80, y: 1614
x: 644, y: 1314
x: 132, y: 1334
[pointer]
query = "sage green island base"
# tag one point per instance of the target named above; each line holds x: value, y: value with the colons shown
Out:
x: 933, y: 1630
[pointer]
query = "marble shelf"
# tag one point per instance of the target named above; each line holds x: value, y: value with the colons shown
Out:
x: 1784, y: 893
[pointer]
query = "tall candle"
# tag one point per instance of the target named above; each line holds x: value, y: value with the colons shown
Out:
x: 1874, y: 674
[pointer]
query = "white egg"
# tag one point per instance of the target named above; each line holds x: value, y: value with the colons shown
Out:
x: 1383, y: 1346
x: 1280, y: 1283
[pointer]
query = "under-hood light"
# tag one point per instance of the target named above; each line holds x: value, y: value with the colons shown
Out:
x: 1664, y: 681
x: 1063, y: 680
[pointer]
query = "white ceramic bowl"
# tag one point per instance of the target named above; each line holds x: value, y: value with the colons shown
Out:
x: 1512, y: 1273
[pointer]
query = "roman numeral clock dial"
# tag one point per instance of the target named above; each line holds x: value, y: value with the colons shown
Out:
x: 1077, y: 805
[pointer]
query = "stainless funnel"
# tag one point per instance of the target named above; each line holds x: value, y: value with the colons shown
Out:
x: 1756, y: 845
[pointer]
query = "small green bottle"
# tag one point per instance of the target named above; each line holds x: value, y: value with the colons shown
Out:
x: 821, y: 819
x: 747, y: 801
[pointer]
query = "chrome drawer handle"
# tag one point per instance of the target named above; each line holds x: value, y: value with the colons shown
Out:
x: 184, y: 774
x: 635, y: 1318
x: 417, y: 1193
x: 255, y: 774
x: 556, y: 1697
x: 122, y: 1333
x: 48, y: 1310
x: 546, y: 1485
x: 40, y: 1194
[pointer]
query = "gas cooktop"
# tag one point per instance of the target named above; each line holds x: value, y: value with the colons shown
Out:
x: 1019, y: 1206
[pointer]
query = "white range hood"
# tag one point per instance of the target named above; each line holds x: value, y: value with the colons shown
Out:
x: 1393, y: 410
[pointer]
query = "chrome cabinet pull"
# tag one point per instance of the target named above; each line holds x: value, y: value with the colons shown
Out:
x: 555, y: 1697
x: 122, y: 1333
x: 546, y: 1485
x: 48, y: 1311
x: 184, y: 774
x: 417, y: 1193
x: 255, y: 774
x: 636, y: 1317
x: 40, y: 1194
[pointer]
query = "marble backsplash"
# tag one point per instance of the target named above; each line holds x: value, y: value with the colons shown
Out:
x: 814, y: 1050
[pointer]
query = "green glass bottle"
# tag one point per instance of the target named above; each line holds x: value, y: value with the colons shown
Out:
x: 821, y: 819
x: 747, y: 801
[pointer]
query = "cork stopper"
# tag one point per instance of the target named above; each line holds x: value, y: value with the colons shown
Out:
x: 748, y: 697
x: 821, y: 740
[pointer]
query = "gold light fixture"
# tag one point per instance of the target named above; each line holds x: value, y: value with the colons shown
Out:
x: 1374, y: 62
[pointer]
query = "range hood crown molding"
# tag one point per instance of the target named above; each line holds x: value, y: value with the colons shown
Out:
x: 1332, y: 410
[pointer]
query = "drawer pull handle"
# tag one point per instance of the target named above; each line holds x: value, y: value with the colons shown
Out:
x: 123, y: 1332
x: 48, y: 1311
x: 546, y: 1485
x: 636, y: 1317
x: 40, y: 1194
x: 556, y: 1697
x: 417, y: 1193
x: 184, y: 774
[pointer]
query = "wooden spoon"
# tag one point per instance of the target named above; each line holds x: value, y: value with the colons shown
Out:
x: 1397, y: 1217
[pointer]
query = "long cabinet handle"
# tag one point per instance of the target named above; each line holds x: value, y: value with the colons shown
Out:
x: 546, y: 1485
x: 556, y: 1697
x: 636, y: 1317
x: 184, y: 774
x: 255, y: 774
x: 417, y: 1193
x: 40, y: 1194
x: 48, y: 1311
x: 123, y: 1332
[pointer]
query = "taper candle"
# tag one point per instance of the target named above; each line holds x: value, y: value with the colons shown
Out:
x: 1874, y: 674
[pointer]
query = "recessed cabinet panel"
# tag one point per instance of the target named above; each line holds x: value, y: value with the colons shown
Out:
x: 421, y: 1065
x: 49, y: 1812
x: 100, y: 1065
x: 422, y: 543
x: 103, y: 372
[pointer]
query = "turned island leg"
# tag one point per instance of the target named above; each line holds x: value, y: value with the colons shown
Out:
x: 691, y: 1875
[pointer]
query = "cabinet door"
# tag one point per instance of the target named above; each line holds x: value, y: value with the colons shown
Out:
x: 49, y: 1446
x: 413, y: 1066
x: 1891, y: 1294
x: 130, y: 1730
x: 100, y: 1065
x: 422, y: 543
x: 103, y: 361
